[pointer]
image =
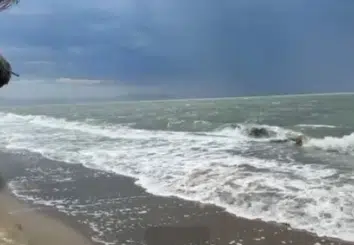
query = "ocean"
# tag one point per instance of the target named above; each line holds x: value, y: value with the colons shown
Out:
x: 199, y: 150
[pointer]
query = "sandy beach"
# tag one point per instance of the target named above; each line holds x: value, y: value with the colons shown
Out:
x: 23, y: 225
x: 110, y: 209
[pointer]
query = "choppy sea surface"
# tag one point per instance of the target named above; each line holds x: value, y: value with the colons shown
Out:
x: 202, y: 150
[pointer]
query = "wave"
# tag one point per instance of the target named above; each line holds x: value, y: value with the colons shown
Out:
x: 315, y: 126
x: 344, y: 144
x: 246, y: 130
x: 200, y: 167
x: 239, y: 132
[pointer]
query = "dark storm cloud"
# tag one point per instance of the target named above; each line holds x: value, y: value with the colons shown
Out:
x: 189, y: 47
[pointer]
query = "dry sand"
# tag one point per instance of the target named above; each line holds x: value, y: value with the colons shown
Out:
x: 20, y: 224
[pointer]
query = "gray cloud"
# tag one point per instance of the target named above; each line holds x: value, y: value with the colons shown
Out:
x: 189, y: 47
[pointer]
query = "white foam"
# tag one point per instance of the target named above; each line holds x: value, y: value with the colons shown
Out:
x: 316, y: 126
x: 6, y: 238
x: 198, y: 167
x: 343, y: 144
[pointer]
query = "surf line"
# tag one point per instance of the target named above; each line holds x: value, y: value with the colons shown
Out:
x: 24, y: 210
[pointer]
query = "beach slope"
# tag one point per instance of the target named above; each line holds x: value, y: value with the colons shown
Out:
x: 20, y: 224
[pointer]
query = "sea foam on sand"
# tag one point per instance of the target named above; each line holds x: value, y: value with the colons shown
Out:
x: 17, y: 227
x: 6, y: 239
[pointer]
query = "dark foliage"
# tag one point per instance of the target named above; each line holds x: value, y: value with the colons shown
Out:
x: 5, y: 4
x: 5, y: 71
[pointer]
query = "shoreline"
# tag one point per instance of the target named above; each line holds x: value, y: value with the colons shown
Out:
x: 28, y: 225
x: 222, y: 227
x: 282, y: 226
x: 111, y: 209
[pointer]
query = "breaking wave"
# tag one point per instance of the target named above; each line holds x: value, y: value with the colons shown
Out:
x: 315, y: 126
x: 200, y: 167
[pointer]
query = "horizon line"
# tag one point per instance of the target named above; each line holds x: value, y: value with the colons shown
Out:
x: 108, y: 101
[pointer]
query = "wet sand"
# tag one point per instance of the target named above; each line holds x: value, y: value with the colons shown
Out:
x: 19, y: 224
x: 111, y: 209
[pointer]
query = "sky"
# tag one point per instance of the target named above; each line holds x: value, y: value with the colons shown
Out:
x: 198, y: 48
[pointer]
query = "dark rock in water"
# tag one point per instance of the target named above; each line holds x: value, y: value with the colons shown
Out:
x: 5, y: 71
x: 258, y: 132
